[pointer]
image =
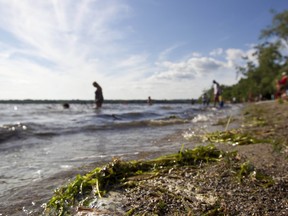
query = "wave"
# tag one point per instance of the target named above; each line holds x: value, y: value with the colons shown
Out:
x: 22, y: 131
x: 12, y: 131
x: 41, y: 124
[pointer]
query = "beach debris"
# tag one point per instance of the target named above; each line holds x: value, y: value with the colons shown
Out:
x: 165, y: 185
x: 116, y: 173
x: 233, y: 137
x: 247, y: 170
x: 228, y: 122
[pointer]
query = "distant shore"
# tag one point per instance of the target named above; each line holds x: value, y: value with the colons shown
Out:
x: 76, y: 101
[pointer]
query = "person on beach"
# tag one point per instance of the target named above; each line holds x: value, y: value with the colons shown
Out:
x: 98, y: 95
x: 217, y: 92
x: 282, y: 85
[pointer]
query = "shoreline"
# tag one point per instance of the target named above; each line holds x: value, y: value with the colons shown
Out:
x: 115, y: 205
x: 30, y: 197
x: 258, y: 187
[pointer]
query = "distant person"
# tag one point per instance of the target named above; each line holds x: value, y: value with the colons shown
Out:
x: 282, y: 85
x: 217, y: 92
x: 98, y: 95
x: 66, y: 105
x: 149, y: 101
x: 205, y: 100
x: 221, y: 101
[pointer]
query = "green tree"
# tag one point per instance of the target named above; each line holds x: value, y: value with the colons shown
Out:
x: 278, y: 28
x: 260, y: 77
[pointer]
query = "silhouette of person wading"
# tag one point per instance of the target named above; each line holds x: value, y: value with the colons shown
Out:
x: 98, y: 95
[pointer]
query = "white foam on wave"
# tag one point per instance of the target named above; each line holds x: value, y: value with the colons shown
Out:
x: 88, y: 157
x: 65, y: 166
x: 188, y: 135
x: 200, y: 118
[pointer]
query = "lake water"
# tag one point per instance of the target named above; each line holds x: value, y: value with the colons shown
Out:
x: 38, y: 141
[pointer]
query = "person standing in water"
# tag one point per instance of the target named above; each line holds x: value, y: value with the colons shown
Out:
x: 98, y: 95
x: 217, y: 92
x: 149, y: 101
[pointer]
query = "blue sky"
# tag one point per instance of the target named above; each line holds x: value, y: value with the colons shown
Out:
x: 166, y: 49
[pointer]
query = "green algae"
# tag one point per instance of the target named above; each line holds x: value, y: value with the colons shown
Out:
x: 234, y: 137
x: 130, y: 212
x: 100, y: 180
x: 118, y: 174
x: 280, y: 144
x: 257, y: 122
x: 217, y: 210
x: 247, y: 170
x: 259, y: 116
x: 255, y: 116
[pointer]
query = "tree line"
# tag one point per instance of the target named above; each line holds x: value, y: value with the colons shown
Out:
x: 258, y: 78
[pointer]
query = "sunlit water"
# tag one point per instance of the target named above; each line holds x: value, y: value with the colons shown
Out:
x: 40, y: 140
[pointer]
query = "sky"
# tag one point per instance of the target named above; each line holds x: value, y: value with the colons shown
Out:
x: 166, y: 49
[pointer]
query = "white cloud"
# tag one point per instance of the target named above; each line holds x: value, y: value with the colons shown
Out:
x: 191, y: 76
x: 187, y: 69
x: 284, y: 47
x: 234, y: 54
x: 234, y: 57
x: 216, y: 52
x: 196, y: 54
x: 132, y: 61
x: 58, y: 43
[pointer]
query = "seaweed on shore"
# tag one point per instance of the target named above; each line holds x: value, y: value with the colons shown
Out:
x: 100, y: 180
x: 267, y: 124
x: 247, y: 170
x: 234, y: 137
x: 150, y: 188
